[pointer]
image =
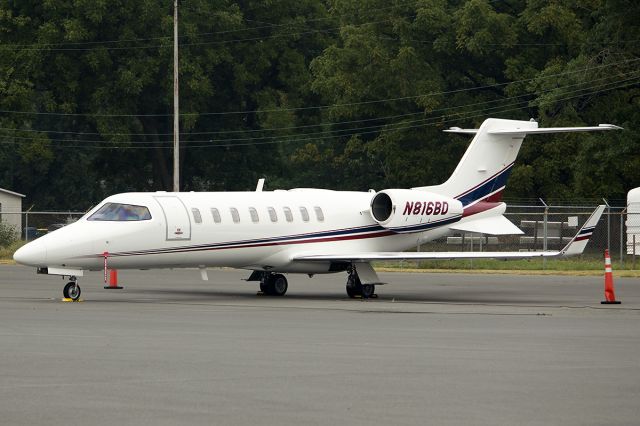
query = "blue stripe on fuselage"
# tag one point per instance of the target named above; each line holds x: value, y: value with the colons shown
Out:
x: 487, y: 187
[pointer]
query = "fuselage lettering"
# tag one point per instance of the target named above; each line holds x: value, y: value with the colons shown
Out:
x: 426, y: 208
x: 408, y: 208
x: 416, y: 207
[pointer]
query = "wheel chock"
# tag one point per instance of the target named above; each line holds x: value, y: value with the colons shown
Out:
x: 66, y: 299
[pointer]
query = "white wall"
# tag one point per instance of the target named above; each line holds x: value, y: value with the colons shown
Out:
x: 11, y: 205
x: 633, y: 221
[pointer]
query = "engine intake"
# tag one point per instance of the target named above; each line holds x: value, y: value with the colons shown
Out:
x: 406, y: 210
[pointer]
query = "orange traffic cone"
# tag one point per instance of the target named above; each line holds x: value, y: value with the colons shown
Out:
x: 113, y: 279
x: 608, y: 282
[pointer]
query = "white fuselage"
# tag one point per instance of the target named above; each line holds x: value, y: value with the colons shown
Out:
x: 197, y: 229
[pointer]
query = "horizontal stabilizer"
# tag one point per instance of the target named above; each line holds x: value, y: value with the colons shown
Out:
x: 599, y: 128
x: 461, y: 131
x: 496, y: 225
x: 531, y: 131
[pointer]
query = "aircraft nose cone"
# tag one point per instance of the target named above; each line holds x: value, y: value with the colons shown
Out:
x: 31, y: 254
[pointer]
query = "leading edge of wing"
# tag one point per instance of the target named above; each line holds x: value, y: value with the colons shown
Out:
x: 435, y: 255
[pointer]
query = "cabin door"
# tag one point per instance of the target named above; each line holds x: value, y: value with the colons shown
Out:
x: 176, y: 217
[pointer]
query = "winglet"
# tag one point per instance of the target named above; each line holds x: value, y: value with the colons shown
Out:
x: 579, y: 242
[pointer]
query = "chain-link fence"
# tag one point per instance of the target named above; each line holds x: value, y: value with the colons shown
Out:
x: 36, y: 223
x: 545, y: 228
x: 551, y: 228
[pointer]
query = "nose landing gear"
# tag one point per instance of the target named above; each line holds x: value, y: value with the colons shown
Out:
x: 72, y: 289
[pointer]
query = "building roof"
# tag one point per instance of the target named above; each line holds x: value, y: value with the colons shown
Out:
x: 6, y: 191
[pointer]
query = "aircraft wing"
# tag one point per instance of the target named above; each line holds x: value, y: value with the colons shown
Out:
x: 575, y: 246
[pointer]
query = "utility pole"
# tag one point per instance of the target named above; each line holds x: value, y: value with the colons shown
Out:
x: 176, y: 109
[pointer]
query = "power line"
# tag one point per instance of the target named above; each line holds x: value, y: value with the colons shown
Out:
x: 351, y: 129
x: 393, y: 126
x: 51, y: 46
x: 202, y: 43
x: 447, y: 92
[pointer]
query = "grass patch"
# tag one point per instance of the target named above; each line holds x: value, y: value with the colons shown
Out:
x: 6, y: 253
x: 575, y: 264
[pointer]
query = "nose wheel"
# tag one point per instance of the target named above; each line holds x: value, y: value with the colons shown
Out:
x: 71, y: 290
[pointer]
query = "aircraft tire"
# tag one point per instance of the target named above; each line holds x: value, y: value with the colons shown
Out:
x: 71, y: 291
x: 278, y: 285
x: 368, y: 290
x: 351, y: 292
x: 354, y: 288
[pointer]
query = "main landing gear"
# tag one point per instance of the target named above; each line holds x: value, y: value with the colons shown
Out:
x: 72, y: 289
x: 273, y: 284
x: 355, y: 288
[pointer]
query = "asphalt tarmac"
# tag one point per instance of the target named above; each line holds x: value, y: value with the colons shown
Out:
x: 431, y: 349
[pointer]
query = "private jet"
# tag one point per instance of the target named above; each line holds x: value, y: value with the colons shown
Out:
x: 304, y: 230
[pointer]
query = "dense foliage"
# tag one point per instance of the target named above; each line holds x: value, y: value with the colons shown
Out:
x: 8, y: 234
x: 348, y: 94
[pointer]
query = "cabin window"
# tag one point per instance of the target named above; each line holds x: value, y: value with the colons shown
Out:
x: 235, y: 215
x: 254, y: 215
x: 304, y: 213
x: 319, y: 214
x: 197, y: 217
x: 287, y: 214
x: 216, y: 215
x: 118, y: 212
x: 272, y: 214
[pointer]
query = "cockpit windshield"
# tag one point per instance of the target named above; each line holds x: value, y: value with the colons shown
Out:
x: 121, y: 213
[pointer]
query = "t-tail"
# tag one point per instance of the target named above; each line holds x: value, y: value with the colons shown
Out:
x: 481, y: 176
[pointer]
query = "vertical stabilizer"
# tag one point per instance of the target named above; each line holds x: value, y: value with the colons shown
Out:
x: 484, y: 168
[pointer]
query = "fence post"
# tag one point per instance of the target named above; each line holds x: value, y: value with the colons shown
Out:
x: 608, y: 227
x: 544, y: 232
x: 608, y: 224
x: 26, y: 226
x: 622, y: 236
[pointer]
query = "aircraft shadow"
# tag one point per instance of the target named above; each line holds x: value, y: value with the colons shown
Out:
x: 244, y: 295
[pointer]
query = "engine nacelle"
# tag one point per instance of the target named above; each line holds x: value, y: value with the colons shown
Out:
x: 407, y: 210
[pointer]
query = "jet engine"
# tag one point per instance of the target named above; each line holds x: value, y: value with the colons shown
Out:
x: 407, y: 210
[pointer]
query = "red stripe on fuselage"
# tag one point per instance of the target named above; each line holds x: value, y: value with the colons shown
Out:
x: 254, y: 245
x: 483, y: 205
x: 284, y: 243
